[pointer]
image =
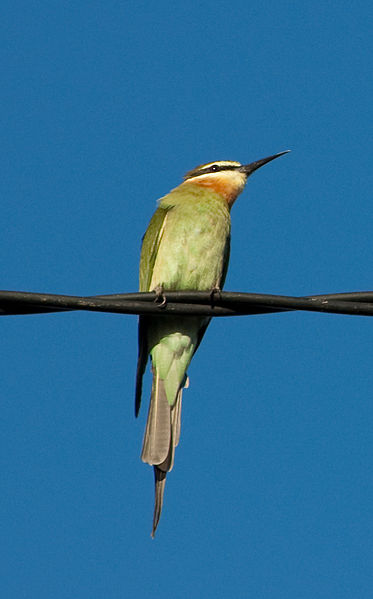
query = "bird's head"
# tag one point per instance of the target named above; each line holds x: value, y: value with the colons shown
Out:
x: 226, y: 177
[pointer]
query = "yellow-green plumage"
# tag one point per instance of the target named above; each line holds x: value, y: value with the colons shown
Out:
x: 187, y: 240
x: 192, y: 228
x: 186, y: 246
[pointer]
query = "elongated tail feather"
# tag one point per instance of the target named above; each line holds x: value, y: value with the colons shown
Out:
x: 162, y: 434
x: 157, y: 437
x: 160, y: 471
x: 160, y: 482
x: 176, y: 417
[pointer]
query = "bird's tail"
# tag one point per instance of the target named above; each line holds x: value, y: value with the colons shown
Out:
x: 160, y: 483
x: 161, y: 436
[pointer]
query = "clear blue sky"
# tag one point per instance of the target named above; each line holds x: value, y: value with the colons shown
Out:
x: 104, y: 106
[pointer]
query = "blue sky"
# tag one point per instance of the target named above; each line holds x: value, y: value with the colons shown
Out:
x: 104, y: 107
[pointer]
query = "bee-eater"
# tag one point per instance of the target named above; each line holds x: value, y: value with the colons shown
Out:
x: 186, y: 246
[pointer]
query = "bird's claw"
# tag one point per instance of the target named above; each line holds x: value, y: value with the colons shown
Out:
x: 215, y: 294
x: 160, y: 297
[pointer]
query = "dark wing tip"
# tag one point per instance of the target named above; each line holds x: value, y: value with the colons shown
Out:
x: 141, y: 362
x: 138, y: 399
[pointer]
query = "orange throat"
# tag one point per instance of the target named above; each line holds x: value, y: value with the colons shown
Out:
x: 226, y: 187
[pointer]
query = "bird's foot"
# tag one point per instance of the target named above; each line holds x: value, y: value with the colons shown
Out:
x: 160, y: 297
x: 215, y: 294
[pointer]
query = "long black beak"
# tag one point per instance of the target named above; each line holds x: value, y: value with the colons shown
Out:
x: 248, y: 169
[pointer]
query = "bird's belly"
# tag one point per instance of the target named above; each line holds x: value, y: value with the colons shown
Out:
x: 186, y: 271
x: 190, y: 259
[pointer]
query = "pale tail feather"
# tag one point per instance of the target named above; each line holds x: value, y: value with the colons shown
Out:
x: 162, y: 435
x: 157, y: 437
x: 160, y: 471
x: 176, y: 420
x: 176, y: 414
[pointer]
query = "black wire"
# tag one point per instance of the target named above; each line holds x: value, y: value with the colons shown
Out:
x: 226, y: 303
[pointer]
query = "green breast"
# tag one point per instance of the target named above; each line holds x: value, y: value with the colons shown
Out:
x: 186, y: 245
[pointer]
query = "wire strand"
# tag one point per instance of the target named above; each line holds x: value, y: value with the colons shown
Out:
x: 202, y: 303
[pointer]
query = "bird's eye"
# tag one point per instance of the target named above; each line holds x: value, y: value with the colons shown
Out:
x: 214, y: 168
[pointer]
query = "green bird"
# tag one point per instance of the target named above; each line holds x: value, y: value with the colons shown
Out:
x: 186, y: 247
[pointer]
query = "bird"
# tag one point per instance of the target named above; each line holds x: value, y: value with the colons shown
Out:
x: 185, y: 247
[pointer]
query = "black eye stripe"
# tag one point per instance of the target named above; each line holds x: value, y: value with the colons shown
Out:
x: 215, y: 168
x: 212, y: 168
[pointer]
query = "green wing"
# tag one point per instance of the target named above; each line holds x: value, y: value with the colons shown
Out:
x: 149, y: 251
x: 150, y: 245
